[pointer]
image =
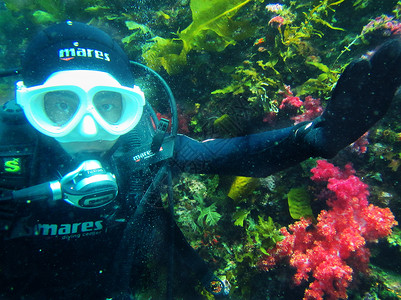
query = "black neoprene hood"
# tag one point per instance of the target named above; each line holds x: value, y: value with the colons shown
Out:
x: 74, y: 46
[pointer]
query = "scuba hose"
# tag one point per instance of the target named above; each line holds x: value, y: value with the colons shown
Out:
x: 126, y: 250
x: 89, y: 186
x: 172, y: 235
x: 11, y: 72
x: 125, y: 254
x: 173, y: 106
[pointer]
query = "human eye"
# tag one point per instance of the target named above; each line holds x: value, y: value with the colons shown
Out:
x: 109, y: 105
x: 63, y: 106
x: 60, y: 106
x: 106, y: 107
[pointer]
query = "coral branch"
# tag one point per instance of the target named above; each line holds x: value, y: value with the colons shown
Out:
x: 329, y: 253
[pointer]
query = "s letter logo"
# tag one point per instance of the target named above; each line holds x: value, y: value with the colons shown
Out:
x: 12, y: 165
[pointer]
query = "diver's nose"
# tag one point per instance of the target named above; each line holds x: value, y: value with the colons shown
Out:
x: 88, y: 126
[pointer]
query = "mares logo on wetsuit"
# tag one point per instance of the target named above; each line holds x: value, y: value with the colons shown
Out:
x: 144, y: 155
x: 77, y: 229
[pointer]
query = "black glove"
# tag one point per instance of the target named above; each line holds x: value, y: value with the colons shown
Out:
x: 361, y: 97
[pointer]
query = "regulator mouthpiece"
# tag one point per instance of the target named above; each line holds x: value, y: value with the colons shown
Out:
x: 89, y: 186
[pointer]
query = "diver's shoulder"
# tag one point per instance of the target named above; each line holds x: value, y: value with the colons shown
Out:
x: 12, y: 114
x: 14, y: 127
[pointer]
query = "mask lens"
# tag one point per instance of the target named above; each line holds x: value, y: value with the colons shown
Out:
x: 109, y: 105
x: 61, y: 106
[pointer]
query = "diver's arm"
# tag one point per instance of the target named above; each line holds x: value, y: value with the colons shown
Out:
x: 254, y: 155
x: 361, y: 98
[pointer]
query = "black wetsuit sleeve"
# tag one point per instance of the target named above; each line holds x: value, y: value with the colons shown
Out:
x: 255, y: 155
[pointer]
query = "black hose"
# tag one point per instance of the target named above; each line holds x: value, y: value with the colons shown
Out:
x: 12, y: 72
x: 174, y: 113
x: 170, y: 280
x: 125, y: 253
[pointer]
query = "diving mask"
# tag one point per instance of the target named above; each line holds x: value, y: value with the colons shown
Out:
x: 81, y: 106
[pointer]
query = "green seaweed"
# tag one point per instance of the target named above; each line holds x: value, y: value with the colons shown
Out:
x: 361, y: 4
x: 42, y: 17
x: 166, y: 53
x: 214, y: 18
x: 395, y: 238
x: 45, y: 12
x: 212, y: 29
x: 240, y: 217
x: 242, y: 188
x: 209, y: 215
x: 265, y: 235
x: 321, y: 85
x: 299, y: 203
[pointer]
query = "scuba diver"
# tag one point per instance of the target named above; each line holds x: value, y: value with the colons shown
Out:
x: 85, y: 161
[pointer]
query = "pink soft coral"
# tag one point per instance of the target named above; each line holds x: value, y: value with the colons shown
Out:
x: 330, y: 252
x: 311, y: 110
x: 290, y: 101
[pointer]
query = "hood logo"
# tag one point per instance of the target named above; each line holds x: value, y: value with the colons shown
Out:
x: 70, y: 53
x: 67, y: 58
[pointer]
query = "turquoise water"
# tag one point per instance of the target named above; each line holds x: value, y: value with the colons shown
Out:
x: 230, y: 64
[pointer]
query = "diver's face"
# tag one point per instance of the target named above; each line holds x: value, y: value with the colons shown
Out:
x: 83, y: 110
x: 96, y: 147
x: 60, y: 107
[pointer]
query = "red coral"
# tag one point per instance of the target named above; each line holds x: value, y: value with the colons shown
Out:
x: 312, y: 109
x: 329, y: 253
x: 270, y: 117
x: 290, y: 101
x: 277, y: 20
x: 325, y: 170
x: 387, y: 24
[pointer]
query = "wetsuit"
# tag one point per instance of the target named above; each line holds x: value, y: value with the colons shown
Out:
x: 58, y: 250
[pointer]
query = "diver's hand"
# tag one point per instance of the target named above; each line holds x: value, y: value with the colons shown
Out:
x: 362, y: 96
x: 365, y: 90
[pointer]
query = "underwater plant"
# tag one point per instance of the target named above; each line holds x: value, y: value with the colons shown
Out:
x: 299, y: 203
x: 292, y: 38
x: 212, y: 29
x: 297, y: 43
x: 330, y: 253
x: 242, y: 188
x: 45, y: 12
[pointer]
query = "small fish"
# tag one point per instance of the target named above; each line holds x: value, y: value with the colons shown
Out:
x: 259, y: 41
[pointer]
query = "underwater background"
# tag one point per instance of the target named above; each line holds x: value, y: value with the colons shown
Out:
x: 239, y: 67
